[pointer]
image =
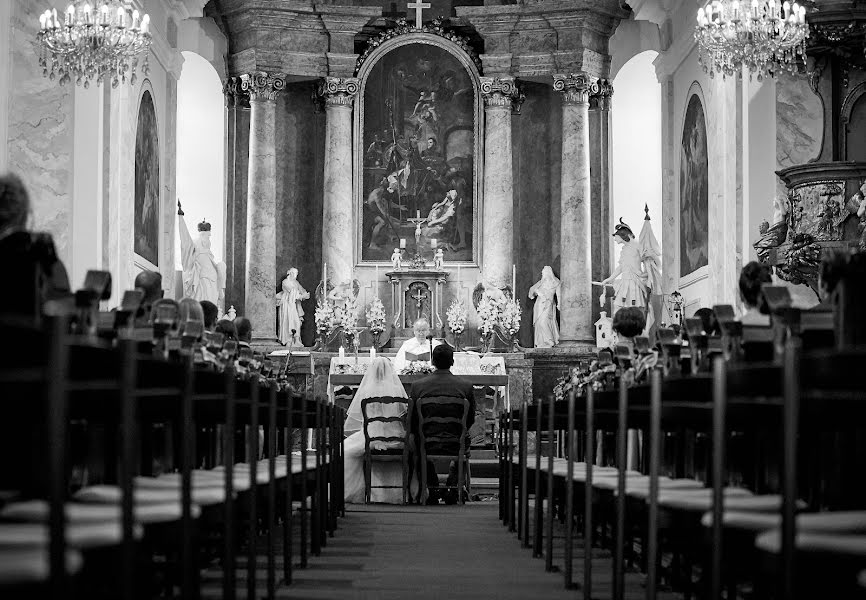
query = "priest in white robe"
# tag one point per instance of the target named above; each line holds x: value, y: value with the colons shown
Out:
x: 415, y: 345
x: 204, y: 278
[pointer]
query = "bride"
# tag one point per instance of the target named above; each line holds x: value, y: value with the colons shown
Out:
x: 380, y: 381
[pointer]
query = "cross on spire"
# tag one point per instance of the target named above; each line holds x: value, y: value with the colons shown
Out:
x: 419, y: 6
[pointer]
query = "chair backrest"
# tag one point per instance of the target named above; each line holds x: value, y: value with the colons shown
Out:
x: 371, y: 420
x: 449, y: 414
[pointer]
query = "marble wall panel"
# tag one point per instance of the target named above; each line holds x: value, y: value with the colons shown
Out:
x: 536, y: 157
x: 39, y: 142
x: 300, y: 168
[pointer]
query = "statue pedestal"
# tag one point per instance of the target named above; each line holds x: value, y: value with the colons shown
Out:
x: 416, y: 293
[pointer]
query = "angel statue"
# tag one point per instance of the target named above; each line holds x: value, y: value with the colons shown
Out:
x: 485, y: 289
x: 546, y: 293
x: 397, y: 259
x: 291, y: 313
x: 345, y: 291
x: 637, y: 272
x: 204, y: 277
x: 439, y: 259
x: 775, y: 235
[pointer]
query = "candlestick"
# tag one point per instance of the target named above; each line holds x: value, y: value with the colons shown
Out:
x: 402, y: 243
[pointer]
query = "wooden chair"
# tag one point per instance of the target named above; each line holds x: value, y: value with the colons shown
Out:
x: 373, y: 454
x: 448, y: 434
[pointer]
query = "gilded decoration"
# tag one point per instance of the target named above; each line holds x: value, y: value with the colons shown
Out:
x: 576, y: 88
x: 338, y: 91
x: 418, y: 145
x: 263, y: 86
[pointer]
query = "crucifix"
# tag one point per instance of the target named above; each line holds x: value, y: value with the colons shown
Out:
x: 419, y: 7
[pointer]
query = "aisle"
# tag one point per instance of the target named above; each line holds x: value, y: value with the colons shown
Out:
x: 420, y: 552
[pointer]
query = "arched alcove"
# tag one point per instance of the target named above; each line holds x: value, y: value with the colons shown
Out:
x: 636, y: 164
x: 200, y: 149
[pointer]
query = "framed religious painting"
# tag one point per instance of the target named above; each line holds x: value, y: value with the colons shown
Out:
x: 418, y: 150
x: 146, y: 204
x: 694, y: 188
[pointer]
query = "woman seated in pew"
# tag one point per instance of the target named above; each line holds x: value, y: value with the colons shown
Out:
x: 752, y: 277
x: 380, y: 381
x: 30, y: 263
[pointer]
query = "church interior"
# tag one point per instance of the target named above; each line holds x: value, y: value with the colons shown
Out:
x: 450, y: 299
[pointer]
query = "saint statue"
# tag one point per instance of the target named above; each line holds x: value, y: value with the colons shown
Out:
x: 291, y: 313
x: 397, y: 259
x: 629, y: 279
x: 439, y: 259
x: 547, y: 294
x: 204, y: 278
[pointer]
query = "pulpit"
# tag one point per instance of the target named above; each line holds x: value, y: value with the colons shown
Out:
x: 416, y: 293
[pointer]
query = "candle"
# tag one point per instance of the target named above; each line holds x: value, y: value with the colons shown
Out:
x: 372, y: 354
x: 121, y: 17
x: 402, y: 243
x: 325, y: 278
x: 134, y: 19
x: 54, y: 20
x: 513, y: 281
x: 145, y: 23
x: 70, y: 15
x: 342, y: 353
x: 376, y: 283
x: 433, y: 243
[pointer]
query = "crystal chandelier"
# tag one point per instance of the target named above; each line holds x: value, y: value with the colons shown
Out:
x: 94, y: 42
x: 764, y: 36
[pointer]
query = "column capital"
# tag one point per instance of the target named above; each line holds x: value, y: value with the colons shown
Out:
x: 600, y: 100
x: 499, y: 92
x: 338, y: 91
x: 234, y: 93
x: 575, y: 87
x: 263, y: 86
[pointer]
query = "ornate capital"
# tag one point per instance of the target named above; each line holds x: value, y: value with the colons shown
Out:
x: 234, y: 93
x: 499, y: 91
x: 263, y: 86
x: 600, y: 100
x: 339, y: 91
x: 575, y: 87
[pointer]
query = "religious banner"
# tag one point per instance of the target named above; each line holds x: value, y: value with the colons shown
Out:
x: 146, y: 193
x: 694, y: 190
x: 418, y: 110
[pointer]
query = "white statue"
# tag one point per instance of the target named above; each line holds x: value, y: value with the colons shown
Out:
x: 547, y: 294
x: 204, y: 278
x: 439, y: 259
x: 345, y: 291
x: 397, y: 259
x: 291, y: 313
x: 629, y: 279
x: 485, y: 289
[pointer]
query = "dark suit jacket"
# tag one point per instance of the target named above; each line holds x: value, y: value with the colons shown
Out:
x: 438, y: 384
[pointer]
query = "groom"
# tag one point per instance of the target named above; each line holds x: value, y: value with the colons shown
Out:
x: 442, y: 383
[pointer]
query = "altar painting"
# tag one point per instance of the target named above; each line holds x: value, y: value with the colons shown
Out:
x: 694, y: 190
x: 418, y: 139
x: 146, y: 193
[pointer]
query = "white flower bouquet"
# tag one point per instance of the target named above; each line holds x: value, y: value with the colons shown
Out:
x: 509, y: 317
x: 457, y: 316
x: 488, y: 315
x: 349, y: 317
x: 324, y: 318
x: 417, y: 367
x: 376, y: 316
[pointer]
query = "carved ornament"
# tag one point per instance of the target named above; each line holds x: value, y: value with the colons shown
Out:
x: 402, y: 28
x: 576, y: 88
x: 601, y: 99
x: 263, y: 86
x: 339, y: 91
x: 234, y: 93
x: 499, y: 91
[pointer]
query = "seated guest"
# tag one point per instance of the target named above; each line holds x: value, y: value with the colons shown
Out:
x: 189, y: 310
x: 149, y: 282
x: 211, y: 314
x: 30, y: 263
x: 752, y: 277
x: 415, y: 345
x: 245, y: 332
x: 708, y: 321
x: 227, y: 328
x: 442, y: 384
x: 380, y: 381
x: 627, y: 323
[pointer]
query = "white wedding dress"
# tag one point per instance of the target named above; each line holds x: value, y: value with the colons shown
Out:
x: 380, y: 381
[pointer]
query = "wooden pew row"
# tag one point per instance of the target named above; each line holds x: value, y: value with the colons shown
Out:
x: 115, y: 387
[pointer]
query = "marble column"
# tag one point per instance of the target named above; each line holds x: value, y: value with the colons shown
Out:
x: 497, y: 243
x: 600, y: 207
x: 337, y: 234
x: 237, y: 153
x: 261, y: 250
x: 575, y: 241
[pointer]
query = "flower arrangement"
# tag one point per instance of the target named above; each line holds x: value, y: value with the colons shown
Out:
x: 457, y: 316
x: 324, y: 318
x: 417, y: 367
x: 376, y: 316
x: 488, y: 315
x: 578, y: 378
x: 349, y: 316
x: 509, y: 317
